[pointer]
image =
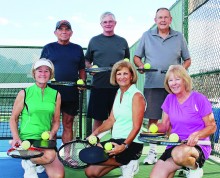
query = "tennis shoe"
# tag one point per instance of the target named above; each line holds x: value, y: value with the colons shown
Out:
x: 151, y: 158
x: 197, y: 173
x: 39, y: 169
x: 29, y: 169
x: 129, y: 170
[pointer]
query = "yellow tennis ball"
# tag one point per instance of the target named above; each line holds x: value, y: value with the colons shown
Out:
x: 80, y: 82
x: 25, y: 145
x: 153, y: 128
x: 45, y: 135
x: 173, y: 137
x: 126, y: 59
x: 94, y: 66
x: 108, y: 146
x: 147, y: 66
x: 92, y: 139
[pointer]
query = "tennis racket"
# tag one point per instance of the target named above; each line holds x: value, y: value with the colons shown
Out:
x: 69, y: 84
x: 152, y: 70
x: 150, y: 134
x: 147, y: 70
x: 165, y: 141
x: 45, y: 144
x: 19, y: 152
x: 68, y: 153
x: 93, y: 155
x: 99, y: 69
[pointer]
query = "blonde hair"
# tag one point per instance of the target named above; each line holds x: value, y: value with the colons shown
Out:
x: 43, y: 62
x: 118, y: 66
x: 180, y: 71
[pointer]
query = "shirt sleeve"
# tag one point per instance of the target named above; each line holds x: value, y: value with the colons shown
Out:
x: 44, y: 53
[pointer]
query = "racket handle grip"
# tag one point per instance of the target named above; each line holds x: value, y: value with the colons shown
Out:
x: 204, y: 142
x: 103, y: 134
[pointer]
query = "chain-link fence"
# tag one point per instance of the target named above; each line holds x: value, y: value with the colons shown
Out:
x: 204, y: 40
x: 15, y: 74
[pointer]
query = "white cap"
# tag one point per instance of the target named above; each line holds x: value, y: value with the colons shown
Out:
x: 42, y: 63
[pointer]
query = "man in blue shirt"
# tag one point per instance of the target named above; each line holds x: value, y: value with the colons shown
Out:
x: 69, y: 63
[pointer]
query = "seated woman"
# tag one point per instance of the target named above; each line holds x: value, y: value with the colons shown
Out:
x: 189, y: 114
x: 39, y: 106
x: 125, y: 121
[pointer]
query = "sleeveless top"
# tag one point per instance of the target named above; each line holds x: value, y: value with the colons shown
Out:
x: 122, y: 112
x: 38, y: 112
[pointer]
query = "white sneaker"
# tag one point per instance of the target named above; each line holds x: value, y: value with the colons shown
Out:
x: 151, y: 158
x: 197, y: 173
x: 129, y: 170
x: 29, y: 169
x: 39, y: 169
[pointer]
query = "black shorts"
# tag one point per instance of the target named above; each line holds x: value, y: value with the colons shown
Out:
x: 200, y: 160
x: 70, y: 108
x: 100, y: 103
x: 155, y: 98
x: 133, y: 152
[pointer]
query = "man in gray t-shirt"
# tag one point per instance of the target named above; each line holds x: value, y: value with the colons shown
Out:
x: 161, y: 47
x: 104, y: 50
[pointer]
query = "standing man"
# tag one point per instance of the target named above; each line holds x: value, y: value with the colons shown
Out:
x: 104, y: 50
x: 69, y: 62
x: 161, y: 47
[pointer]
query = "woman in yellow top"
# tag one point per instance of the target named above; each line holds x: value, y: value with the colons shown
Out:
x: 39, y: 106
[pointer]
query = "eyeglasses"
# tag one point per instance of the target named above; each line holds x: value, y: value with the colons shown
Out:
x: 108, y: 22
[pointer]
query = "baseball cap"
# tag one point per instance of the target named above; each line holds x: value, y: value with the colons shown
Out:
x: 63, y: 22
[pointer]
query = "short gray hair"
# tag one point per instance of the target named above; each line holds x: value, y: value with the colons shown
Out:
x: 107, y: 14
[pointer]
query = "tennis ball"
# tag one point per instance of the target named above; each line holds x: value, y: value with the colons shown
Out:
x: 147, y: 66
x: 25, y: 145
x: 173, y: 137
x: 45, y: 135
x: 80, y: 82
x: 153, y: 128
x: 126, y: 59
x: 94, y: 66
x: 108, y: 146
x: 92, y: 139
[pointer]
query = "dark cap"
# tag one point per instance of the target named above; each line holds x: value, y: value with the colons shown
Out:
x: 63, y: 22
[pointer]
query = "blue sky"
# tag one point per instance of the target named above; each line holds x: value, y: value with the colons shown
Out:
x: 32, y: 22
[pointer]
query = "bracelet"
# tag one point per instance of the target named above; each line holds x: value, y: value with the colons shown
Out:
x: 126, y: 145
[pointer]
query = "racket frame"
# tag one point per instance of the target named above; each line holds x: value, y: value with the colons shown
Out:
x: 65, y: 162
x: 17, y: 149
x: 166, y: 142
x: 99, y: 69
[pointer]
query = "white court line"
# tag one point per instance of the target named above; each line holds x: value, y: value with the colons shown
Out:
x: 15, y: 85
x: 4, y: 155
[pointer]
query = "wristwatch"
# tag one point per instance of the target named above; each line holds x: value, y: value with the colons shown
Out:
x: 126, y: 145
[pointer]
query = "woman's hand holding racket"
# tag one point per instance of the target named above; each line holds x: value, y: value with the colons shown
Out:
x: 24, y: 151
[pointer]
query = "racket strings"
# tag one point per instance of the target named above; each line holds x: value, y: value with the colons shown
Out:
x: 25, y: 153
x: 70, y: 156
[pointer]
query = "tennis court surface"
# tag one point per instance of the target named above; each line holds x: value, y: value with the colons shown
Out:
x: 211, y: 169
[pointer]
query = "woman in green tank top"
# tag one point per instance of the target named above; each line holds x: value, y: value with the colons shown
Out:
x: 39, y: 106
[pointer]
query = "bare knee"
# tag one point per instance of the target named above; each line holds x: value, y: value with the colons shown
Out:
x: 180, y: 154
x: 89, y: 172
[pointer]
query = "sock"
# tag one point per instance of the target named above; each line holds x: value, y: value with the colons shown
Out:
x: 153, y: 147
